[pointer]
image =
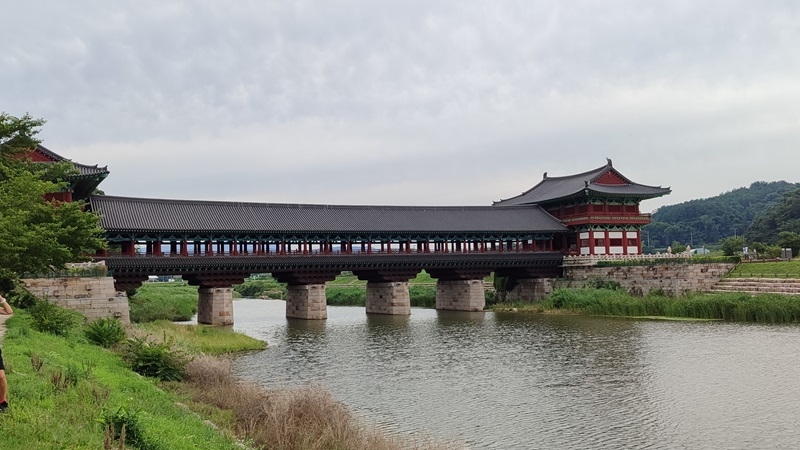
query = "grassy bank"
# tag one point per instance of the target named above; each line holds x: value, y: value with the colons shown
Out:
x: 767, y: 308
x: 175, y: 301
x: 67, y: 393
x: 771, y: 269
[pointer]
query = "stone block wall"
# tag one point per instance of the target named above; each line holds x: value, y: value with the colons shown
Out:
x: 306, y: 301
x: 215, y: 306
x: 530, y: 290
x: 388, y: 298
x: 460, y: 295
x: 674, y: 279
x: 94, y: 297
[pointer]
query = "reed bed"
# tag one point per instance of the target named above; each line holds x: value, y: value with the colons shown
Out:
x: 306, y: 418
x: 738, y: 307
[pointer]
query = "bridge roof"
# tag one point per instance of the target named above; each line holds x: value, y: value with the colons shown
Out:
x: 147, y: 215
x: 593, y: 181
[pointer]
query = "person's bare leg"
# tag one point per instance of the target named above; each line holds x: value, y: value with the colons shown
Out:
x: 3, y: 386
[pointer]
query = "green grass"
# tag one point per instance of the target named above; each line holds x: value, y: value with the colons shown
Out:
x: 767, y: 308
x: 60, y: 389
x: 779, y: 269
x: 202, y: 338
x: 344, y: 295
x: 174, y: 301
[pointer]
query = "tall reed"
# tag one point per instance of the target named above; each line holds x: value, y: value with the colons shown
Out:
x: 740, y: 307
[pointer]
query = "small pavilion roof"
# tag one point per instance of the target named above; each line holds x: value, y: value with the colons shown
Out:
x: 83, y: 170
x: 85, y: 181
x: 603, y: 181
x: 147, y: 215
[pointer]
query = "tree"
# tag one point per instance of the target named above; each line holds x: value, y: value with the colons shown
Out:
x: 783, y: 216
x: 36, y: 234
x: 732, y: 245
x: 789, y: 239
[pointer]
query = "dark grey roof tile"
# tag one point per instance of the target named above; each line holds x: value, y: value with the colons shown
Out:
x: 125, y: 214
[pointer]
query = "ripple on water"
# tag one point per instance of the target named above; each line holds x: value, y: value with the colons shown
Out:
x: 505, y: 381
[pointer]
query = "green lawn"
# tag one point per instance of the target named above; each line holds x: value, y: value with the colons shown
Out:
x: 778, y: 269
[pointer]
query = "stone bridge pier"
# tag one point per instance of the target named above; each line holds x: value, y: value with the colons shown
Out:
x: 305, y: 293
x: 387, y: 290
x: 215, y: 296
x: 460, y: 289
x: 528, y: 283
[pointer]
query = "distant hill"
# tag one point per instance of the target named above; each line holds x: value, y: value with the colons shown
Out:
x: 706, y: 221
x: 781, y: 216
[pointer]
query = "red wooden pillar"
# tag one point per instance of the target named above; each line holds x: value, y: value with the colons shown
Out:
x: 184, y: 248
x: 607, y: 242
x: 157, y: 248
x: 129, y: 248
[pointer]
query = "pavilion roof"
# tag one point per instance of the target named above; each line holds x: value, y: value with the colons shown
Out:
x: 85, y: 181
x: 148, y: 215
x: 81, y: 168
x: 584, y: 184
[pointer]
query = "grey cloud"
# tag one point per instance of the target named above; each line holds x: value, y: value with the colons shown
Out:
x: 406, y: 101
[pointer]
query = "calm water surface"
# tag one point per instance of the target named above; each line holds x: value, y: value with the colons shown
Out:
x: 512, y: 381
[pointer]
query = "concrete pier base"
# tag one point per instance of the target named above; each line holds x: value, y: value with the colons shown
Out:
x: 388, y: 298
x: 460, y: 295
x: 306, y: 301
x: 215, y: 305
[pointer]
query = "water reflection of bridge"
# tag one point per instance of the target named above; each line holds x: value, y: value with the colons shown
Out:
x: 215, y: 245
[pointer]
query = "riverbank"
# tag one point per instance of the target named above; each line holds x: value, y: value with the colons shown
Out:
x: 738, y: 307
x: 67, y: 393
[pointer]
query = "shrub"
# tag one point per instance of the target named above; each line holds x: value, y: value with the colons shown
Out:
x: 174, y: 301
x: 424, y: 296
x: 125, y: 426
x: 346, y: 296
x: 155, y: 359
x: 105, y: 332
x: 599, y: 283
x: 267, y: 287
x: 50, y: 318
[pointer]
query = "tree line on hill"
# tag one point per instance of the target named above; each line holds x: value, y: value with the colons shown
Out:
x: 764, y: 216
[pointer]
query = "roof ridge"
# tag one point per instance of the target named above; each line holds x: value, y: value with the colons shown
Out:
x: 309, y: 205
x: 545, y: 178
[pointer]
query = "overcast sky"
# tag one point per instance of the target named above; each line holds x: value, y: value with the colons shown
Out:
x: 408, y: 102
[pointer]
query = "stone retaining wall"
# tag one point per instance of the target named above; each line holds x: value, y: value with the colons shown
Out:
x: 674, y: 279
x: 94, y: 297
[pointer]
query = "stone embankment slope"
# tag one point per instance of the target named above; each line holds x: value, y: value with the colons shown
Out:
x: 785, y: 286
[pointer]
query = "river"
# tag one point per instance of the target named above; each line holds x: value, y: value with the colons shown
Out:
x: 519, y: 381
